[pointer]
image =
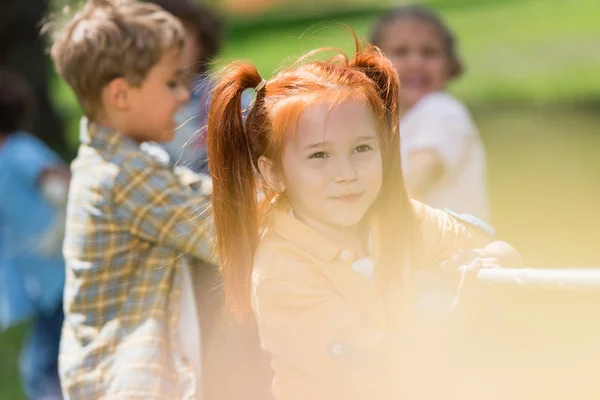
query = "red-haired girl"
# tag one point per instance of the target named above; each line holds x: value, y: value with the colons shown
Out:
x: 317, y: 233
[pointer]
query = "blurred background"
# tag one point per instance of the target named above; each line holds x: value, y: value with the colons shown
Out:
x: 532, y: 83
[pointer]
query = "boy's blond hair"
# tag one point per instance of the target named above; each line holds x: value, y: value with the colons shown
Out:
x: 108, y: 39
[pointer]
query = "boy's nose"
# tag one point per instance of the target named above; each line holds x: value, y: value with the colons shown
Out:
x: 184, y: 95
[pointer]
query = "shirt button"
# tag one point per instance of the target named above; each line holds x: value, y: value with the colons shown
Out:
x: 345, y: 254
x: 336, y: 349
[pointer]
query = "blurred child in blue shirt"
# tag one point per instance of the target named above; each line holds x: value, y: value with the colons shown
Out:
x: 34, y: 184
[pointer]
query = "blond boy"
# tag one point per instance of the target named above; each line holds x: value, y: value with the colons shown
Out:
x: 132, y: 221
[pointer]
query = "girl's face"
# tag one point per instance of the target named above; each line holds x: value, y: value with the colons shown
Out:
x: 332, y: 165
x: 416, y: 49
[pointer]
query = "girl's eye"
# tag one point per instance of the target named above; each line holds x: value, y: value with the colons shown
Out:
x: 319, y: 154
x: 430, y: 52
x: 363, y: 148
x: 400, y: 51
x: 172, y: 84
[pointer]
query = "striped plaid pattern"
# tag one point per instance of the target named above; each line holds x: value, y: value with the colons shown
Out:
x: 130, y: 220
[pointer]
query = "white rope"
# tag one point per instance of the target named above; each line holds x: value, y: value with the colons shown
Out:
x: 576, y: 278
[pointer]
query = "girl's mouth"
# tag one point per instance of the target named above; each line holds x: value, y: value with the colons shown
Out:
x: 349, y: 198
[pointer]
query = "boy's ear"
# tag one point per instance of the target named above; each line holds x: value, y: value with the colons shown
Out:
x: 116, y: 94
x: 270, y: 175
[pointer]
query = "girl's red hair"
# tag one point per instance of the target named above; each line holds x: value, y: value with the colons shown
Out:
x: 234, y: 146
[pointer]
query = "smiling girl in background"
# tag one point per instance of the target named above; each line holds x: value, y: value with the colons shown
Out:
x: 442, y: 153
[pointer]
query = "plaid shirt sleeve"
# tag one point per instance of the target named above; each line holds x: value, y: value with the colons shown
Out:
x: 160, y: 208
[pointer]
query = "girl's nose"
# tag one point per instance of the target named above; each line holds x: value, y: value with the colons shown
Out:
x: 345, y: 171
x: 414, y: 59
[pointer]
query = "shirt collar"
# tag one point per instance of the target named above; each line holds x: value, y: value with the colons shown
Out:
x: 95, y: 135
x: 302, y: 235
x: 106, y: 139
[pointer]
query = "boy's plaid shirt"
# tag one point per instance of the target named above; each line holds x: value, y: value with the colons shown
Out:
x: 130, y: 220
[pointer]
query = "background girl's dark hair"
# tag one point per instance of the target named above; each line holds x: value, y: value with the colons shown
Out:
x: 16, y: 102
x: 234, y: 147
x: 428, y: 16
x: 208, y: 25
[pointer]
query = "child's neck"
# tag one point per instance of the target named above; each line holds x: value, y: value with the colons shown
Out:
x: 106, y: 123
x: 114, y: 126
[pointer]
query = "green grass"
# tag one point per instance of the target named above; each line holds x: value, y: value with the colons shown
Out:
x: 10, y: 343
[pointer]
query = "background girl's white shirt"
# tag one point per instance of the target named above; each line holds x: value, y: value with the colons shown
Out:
x: 441, y: 123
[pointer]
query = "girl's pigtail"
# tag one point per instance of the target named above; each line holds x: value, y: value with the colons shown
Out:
x: 234, y: 184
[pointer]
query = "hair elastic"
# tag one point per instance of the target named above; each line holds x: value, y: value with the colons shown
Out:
x: 260, y: 86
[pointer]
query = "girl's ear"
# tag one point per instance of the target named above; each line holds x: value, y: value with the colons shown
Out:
x: 270, y: 175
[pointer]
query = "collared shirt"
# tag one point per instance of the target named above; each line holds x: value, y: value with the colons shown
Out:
x: 130, y: 220
x: 323, y: 323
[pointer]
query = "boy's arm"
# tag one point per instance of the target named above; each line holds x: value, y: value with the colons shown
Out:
x: 159, y: 208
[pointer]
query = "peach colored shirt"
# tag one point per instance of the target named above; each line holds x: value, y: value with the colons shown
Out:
x: 323, y: 323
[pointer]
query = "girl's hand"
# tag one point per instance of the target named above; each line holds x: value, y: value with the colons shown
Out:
x: 467, y: 290
x: 506, y: 255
